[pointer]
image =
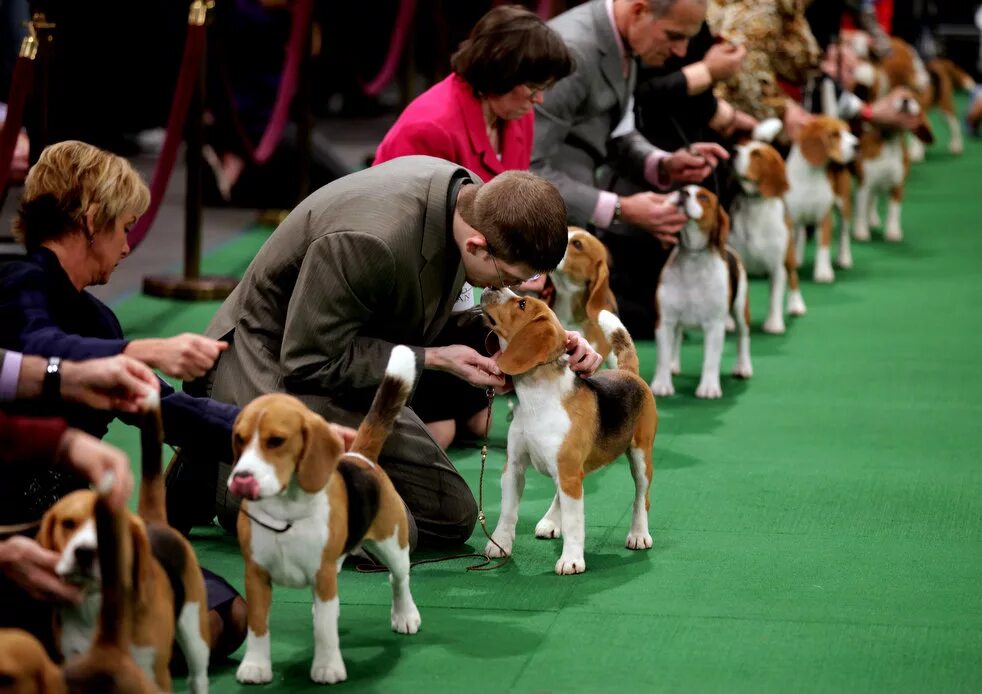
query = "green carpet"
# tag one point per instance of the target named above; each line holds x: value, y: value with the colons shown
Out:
x: 817, y: 529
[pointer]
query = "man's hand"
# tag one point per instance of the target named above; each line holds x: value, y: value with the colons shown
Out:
x: 465, y: 363
x: 885, y: 111
x: 347, y: 435
x: 92, y: 458
x: 695, y: 163
x: 32, y: 567
x: 724, y: 60
x: 653, y: 213
x: 584, y: 360
x: 186, y: 356
x: 113, y: 383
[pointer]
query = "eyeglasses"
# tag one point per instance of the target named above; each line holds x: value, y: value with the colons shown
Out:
x: 536, y: 89
x: 512, y: 281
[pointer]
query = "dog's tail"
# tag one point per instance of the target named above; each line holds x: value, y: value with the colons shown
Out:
x: 621, y: 345
x: 112, y: 535
x: 391, y: 396
x: 152, y: 506
x: 959, y: 78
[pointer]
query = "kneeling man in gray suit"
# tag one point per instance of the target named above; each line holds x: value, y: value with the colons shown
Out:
x: 377, y: 259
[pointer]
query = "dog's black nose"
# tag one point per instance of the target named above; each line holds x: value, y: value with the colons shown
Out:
x: 85, y: 557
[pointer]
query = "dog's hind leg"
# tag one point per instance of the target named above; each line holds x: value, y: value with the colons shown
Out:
x: 193, y: 646
x: 405, y: 614
x: 638, y: 536
x: 574, y: 531
x: 741, y: 314
x: 550, y: 526
x: 893, y: 230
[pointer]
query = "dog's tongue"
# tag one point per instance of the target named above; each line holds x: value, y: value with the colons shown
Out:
x: 245, y: 486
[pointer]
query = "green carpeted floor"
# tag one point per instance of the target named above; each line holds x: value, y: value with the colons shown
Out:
x: 818, y: 529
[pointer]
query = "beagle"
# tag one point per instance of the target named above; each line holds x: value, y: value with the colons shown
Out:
x: 582, y: 288
x: 308, y: 504
x: 168, y: 600
x: 702, y: 282
x: 810, y: 198
x: 945, y: 79
x: 565, y: 426
x: 761, y: 228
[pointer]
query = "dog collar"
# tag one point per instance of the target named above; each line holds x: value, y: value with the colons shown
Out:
x: 260, y: 517
x: 359, y: 456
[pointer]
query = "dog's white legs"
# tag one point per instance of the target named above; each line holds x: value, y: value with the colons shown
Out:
x: 574, y: 534
x: 665, y: 335
x: 714, y: 335
x: 328, y: 666
x: 512, y: 486
x: 405, y: 614
x: 844, y: 259
x: 193, y: 646
x: 915, y: 148
x: 893, y: 230
x: 550, y: 526
x: 743, y: 368
x: 639, y: 537
x: 874, y: 212
x: 955, y: 143
x: 677, y: 351
x: 863, y: 212
x: 800, y: 238
x: 257, y: 666
x: 775, y: 317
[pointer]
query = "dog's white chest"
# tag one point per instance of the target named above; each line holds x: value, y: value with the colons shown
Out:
x: 886, y: 170
x: 541, y: 423
x: 759, y: 234
x: 693, y: 290
x: 293, y: 557
x: 78, y: 625
x: 810, y: 196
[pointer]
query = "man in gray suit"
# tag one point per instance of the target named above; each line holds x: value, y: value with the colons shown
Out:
x: 586, y: 120
x: 377, y: 259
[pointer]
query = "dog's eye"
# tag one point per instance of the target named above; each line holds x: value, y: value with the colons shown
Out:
x: 521, y: 304
x: 578, y: 245
x: 274, y: 441
x: 238, y: 441
x: 69, y: 524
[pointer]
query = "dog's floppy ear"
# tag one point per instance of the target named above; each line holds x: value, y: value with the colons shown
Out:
x: 772, y: 177
x: 534, y: 344
x: 46, y: 533
x: 813, y: 146
x: 722, y: 232
x: 600, y: 296
x: 322, y: 448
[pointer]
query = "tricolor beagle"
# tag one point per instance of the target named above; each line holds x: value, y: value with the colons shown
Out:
x: 945, y: 79
x: 701, y: 284
x: 565, y: 426
x: 582, y: 288
x: 810, y: 197
x: 761, y: 228
x: 168, y: 599
x: 307, y: 504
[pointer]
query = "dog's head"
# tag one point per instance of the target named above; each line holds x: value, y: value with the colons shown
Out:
x: 825, y: 139
x: 276, y: 441
x: 527, y: 329
x: 708, y: 225
x: 761, y: 170
x: 68, y: 528
x: 584, y: 268
x: 25, y: 667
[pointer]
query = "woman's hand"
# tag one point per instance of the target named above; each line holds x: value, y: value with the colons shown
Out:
x: 32, y: 567
x: 94, y: 459
x: 186, y: 356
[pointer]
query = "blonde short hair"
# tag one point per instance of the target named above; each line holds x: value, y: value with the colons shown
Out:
x: 66, y: 182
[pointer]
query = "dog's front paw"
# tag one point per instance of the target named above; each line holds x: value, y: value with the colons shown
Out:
x: 570, y: 565
x: 796, y: 303
x: 710, y: 390
x: 661, y: 387
x: 638, y: 541
x: 893, y: 233
x: 744, y: 371
x: 860, y: 232
x: 330, y: 670
x: 497, y: 551
x: 730, y: 324
x: 844, y: 260
x: 406, y: 621
x: 824, y: 274
x: 252, y: 672
x: 545, y: 529
x: 774, y: 325
x: 198, y: 684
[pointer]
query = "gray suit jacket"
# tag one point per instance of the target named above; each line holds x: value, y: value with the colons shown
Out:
x: 363, y: 264
x: 574, y: 123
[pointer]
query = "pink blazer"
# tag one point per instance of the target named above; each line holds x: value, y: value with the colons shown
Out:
x: 446, y: 121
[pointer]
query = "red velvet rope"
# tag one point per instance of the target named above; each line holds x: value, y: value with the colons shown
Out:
x: 187, y: 81
x: 20, y: 86
x: 404, y: 24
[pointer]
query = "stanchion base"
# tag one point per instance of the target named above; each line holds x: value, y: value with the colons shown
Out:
x: 185, y: 289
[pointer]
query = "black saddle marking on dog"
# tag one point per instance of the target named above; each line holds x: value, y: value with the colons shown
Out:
x: 733, y: 270
x: 167, y: 548
x: 619, y: 399
x: 363, y: 500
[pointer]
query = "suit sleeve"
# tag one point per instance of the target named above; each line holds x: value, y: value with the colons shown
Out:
x: 345, y: 279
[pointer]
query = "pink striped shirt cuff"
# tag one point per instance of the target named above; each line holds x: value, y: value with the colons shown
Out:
x: 652, y: 174
x: 9, y: 375
x: 603, y: 213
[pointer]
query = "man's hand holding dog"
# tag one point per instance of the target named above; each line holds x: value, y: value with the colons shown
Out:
x: 465, y: 363
x: 584, y: 360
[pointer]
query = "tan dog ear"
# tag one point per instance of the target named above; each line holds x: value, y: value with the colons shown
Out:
x: 772, y: 177
x: 322, y: 449
x: 813, y: 148
x: 600, y: 297
x: 533, y: 345
x: 723, y: 228
x: 46, y: 533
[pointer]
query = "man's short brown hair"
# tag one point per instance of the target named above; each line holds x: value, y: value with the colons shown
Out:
x: 68, y: 179
x: 522, y: 216
x: 510, y: 46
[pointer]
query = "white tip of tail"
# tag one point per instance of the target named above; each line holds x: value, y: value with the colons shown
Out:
x: 105, y: 484
x: 151, y: 401
x: 609, y: 323
x: 767, y: 130
x: 402, y: 365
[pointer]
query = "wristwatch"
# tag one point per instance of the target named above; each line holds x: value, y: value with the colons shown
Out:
x: 617, y: 211
x: 51, y: 390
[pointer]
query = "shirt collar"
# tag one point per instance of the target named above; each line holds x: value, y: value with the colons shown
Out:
x: 621, y: 48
